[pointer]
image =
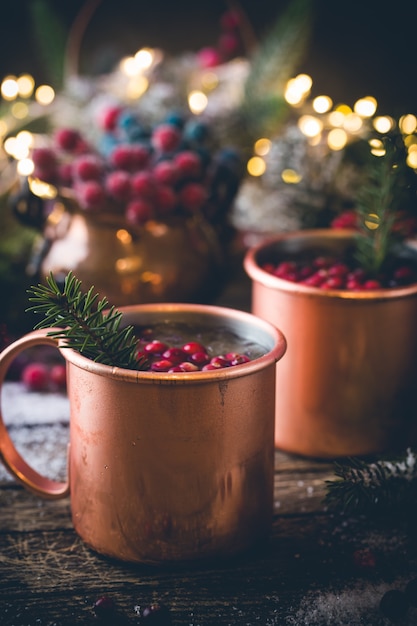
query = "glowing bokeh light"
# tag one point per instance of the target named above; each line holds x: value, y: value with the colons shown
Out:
x: 352, y: 123
x: 262, y: 146
x: 310, y: 126
x: 26, y: 85
x: 9, y: 88
x: 44, y: 95
x: 25, y: 167
x: 383, y: 124
x: 256, y: 166
x: 372, y: 222
x: 137, y: 87
x: 290, y: 176
x: 19, y: 110
x: 197, y: 101
x: 322, y: 104
x: 144, y: 58
x: 365, y: 107
x: 337, y: 139
x: 412, y: 159
x: 408, y: 124
x: 336, y: 118
x: 377, y: 147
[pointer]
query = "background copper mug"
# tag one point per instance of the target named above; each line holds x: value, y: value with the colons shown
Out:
x: 166, y: 467
x: 347, y: 385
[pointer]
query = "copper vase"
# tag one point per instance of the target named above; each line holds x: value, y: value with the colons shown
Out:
x: 166, y: 467
x: 347, y: 385
x: 176, y: 259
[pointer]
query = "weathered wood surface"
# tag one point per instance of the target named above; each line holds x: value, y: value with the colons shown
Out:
x: 304, y: 575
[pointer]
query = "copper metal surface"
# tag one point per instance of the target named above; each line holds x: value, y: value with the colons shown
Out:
x: 347, y: 384
x: 166, y: 467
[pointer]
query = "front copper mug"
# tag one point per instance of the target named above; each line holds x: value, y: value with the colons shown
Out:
x: 166, y: 467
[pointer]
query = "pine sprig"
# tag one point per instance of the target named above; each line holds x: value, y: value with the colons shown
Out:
x: 388, y: 189
x: 84, y: 323
x: 364, y: 487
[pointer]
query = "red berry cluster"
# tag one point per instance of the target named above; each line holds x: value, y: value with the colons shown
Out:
x: 229, y: 44
x: 143, y: 172
x: 325, y: 272
x: 38, y: 376
x: 190, y: 357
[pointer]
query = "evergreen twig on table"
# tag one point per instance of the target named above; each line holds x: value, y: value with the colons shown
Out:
x: 362, y: 487
x: 84, y: 323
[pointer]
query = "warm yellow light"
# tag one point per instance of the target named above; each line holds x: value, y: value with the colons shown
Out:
x: 256, y: 166
x: 26, y: 85
x: 42, y: 189
x: 9, y: 88
x: 377, y: 147
x: 124, y: 236
x: 365, y: 107
x: 291, y: 177
x: 25, y: 167
x: 310, y: 126
x: 19, y: 110
x: 44, y: 95
x: 383, y: 124
x: 9, y: 146
x: 322, y: 104
x: 408, y: 124
x: 372, y: 222
x: 297, y: 89
x: 304, y: 82
x: 129, y: 67
x: 352, y: 123
x: 144, y: 58
x: 137, y: 87
x: 344, y: 109
x: 337, y: 139
x: 336, y: 118
x: 21, y: 145
x: 412, y: 159
x: 3, y: 128
x: 197, y: 101
x: 209, y: 81
x: 262, y: 146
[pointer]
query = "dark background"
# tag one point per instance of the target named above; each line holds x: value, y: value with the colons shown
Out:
x: 357, y: 48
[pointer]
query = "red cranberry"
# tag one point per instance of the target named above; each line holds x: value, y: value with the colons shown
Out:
x: 87, y: 167
x: 143, y: 185
x: 155, y: 347
x: 175, y: 355
x: 138, y: 211
x: 35, y: 376
x: 239, y: 359
x: 165, y: 198
x: 67, y: 139
x: 162, y: 366
x: 91, y: 195
x: 186, y: 366
x: 192, y: 347
x: 166, y: 137
x: 165, y: 172
x: 219, y: 362
x: 200, y: 358
x: 118, y: 185
x: 58, y: 376
x: 104, y: 608
x: 156, y: 615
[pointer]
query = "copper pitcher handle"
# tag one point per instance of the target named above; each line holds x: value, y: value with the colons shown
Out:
x: 11, y: 458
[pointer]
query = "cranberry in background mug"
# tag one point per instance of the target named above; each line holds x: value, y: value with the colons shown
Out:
x: 165, y: 466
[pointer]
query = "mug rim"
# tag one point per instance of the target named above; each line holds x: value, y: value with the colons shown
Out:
x: 274, y: 354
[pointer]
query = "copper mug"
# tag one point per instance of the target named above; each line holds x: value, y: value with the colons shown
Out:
x: 166, y: 467
x: 347, y: 385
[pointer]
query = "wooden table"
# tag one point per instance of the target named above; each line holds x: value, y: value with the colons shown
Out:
x: 307, y: 574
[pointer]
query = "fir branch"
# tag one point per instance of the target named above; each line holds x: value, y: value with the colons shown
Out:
x: 364, y: 487
x: 272, y: 65
x: 387, y: 190
x: 85, y: 323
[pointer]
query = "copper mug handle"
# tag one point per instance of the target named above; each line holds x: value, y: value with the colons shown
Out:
x: 14, y: 462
